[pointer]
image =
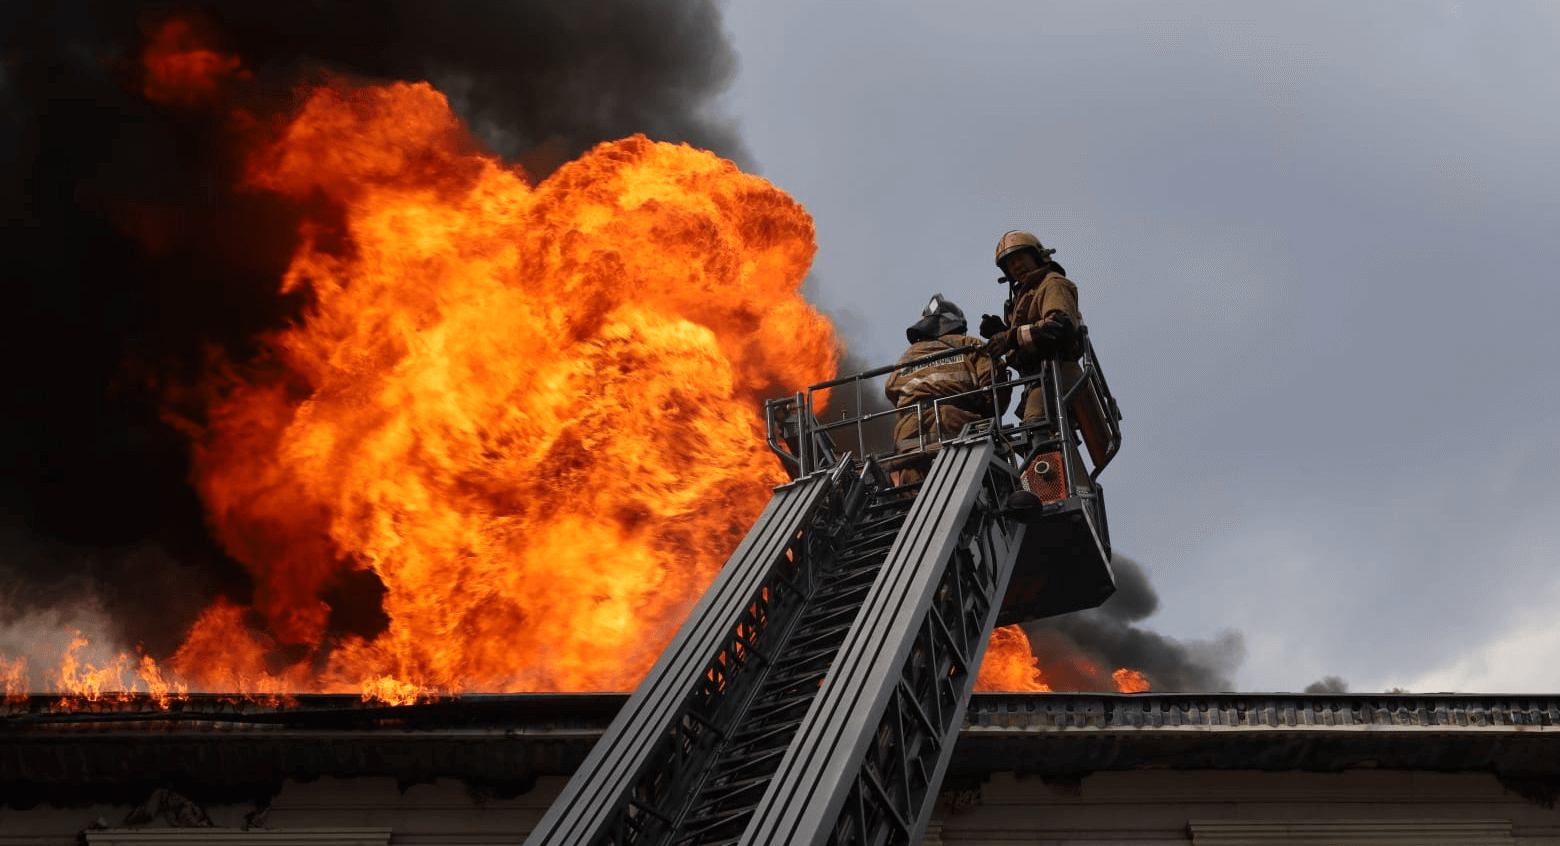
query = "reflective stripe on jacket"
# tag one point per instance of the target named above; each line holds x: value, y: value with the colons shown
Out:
x: 922, y: 385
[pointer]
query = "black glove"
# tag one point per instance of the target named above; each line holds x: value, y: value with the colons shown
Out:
x: 1056, y: 330
x: 1050, y: 335
x: 990, y: 324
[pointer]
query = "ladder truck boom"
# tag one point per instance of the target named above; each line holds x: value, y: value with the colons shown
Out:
x: 815, y: 691
x: 873, y: 747
x: 616, y: 794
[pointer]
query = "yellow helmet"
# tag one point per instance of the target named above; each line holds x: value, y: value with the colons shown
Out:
x: 1014, y: 240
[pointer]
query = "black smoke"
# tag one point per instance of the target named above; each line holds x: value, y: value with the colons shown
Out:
x: 128, y: 254
x: 1328, y: 684
x: 1109, y: 637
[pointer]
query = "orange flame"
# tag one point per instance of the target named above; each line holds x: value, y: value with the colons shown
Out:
x: 1010, y: 664
x: 180, y: 67
x: 222, y: 653
x: 1130, y: 681
x: 532, y: 412
x: 78, y: 678
x: 392, y: 692
x: 14, y: 676
x: 162, y: 690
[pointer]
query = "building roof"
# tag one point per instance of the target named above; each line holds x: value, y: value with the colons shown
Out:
x: 1064, y: 734
x: 224, y: 746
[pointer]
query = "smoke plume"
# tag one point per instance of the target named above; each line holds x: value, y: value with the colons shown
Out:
x: 1109, y: 637
x: 858, y: 399
x: 131, y: 259
x: 1328, y: 684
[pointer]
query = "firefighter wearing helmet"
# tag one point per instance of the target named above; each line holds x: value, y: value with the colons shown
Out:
x: 942, y: 395
x: 1040, y: 322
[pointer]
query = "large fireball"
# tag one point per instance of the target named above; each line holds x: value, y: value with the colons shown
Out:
x: 533, y: 412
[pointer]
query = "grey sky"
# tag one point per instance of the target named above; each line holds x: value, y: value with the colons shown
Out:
x: 1313, y: 244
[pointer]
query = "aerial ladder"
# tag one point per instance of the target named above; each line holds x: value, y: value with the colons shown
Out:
x: 815, y: 691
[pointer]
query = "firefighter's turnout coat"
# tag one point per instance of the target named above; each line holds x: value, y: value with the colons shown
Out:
x: 923, y: 385
x: 1036, y: 301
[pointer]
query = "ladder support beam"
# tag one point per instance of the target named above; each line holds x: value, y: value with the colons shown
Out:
x: 641, y: 746
x: 953, y: 542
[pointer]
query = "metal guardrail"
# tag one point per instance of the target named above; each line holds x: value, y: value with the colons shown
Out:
x: 807, y: 443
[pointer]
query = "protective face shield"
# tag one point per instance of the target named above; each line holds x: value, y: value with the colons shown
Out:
x: 939, y: 318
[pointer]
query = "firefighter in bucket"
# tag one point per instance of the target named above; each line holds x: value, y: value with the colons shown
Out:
x: 1041, y: 322
x: 940, y: 396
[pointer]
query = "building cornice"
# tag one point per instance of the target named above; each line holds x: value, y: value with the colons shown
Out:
x: 217, y: 745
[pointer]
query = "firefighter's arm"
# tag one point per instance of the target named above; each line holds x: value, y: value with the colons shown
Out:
x: 1045, y: 338
x: 1059, y: 296
x: 1058, y: 325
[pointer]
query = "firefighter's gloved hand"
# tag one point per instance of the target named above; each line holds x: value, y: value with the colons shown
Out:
x: 999, y: 343
x: 1051, y: 334
x: 1058, y: 325
x: 990, y: 325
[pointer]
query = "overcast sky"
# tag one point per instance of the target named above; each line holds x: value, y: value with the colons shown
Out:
x: 1314, y: 245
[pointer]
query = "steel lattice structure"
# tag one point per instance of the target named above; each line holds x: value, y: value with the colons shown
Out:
x: 814, y: 693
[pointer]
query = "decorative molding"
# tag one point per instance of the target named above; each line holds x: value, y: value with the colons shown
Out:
x: 239, y: 837
x: 1221, y: 787
x: 1420, y: 832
